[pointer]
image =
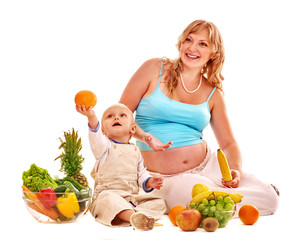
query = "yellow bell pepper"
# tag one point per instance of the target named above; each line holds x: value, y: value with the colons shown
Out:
x: 68, y: 205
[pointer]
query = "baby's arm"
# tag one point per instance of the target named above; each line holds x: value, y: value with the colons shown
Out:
x: 154, y: 182
x: 147, y: 182
x: 98, y: 142
x: 90, y: 114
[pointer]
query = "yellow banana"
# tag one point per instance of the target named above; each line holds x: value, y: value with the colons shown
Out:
x: 224, y: 168
x: 236, y: 197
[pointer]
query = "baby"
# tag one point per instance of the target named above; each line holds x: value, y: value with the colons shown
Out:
x: 119, y: 172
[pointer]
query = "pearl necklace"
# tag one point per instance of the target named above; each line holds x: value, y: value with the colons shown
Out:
x: 194, y: 89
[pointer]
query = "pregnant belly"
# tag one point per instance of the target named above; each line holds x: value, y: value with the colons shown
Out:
x: 175, y: 160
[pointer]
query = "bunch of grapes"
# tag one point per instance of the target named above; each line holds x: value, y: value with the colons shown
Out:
x: 221, y: 208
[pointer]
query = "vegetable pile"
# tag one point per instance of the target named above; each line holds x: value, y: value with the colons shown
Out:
x: 58, y: 199
x: 37, y: 178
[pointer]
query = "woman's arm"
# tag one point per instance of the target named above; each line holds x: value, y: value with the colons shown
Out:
x: 142, y: 84
x: 136, y: 89
x: 225, y: 138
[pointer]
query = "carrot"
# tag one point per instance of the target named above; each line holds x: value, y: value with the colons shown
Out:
x: 35, y: 207
x: 51, y: 212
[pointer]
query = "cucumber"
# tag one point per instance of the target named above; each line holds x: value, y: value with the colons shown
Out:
x: 74, y: 182
x: 60, y: 189
x: 84, y: 193
x: 72, y: 188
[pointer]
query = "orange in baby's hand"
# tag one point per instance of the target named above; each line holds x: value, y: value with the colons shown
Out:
x: 248, y: 214
x: 86, y: 98
x: 173, y: 212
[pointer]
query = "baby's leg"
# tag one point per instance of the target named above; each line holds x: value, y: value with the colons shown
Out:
x: 108, y: 205
x: 125, y: 215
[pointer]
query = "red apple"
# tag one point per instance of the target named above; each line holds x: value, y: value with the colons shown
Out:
x: 188, y: 220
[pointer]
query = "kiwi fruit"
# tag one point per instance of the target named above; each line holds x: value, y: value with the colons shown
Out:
x: 210, y: 224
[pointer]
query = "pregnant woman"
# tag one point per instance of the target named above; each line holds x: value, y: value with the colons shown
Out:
x: 174, y: 101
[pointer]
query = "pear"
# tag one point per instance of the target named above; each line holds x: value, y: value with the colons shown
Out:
x: 199, y: 188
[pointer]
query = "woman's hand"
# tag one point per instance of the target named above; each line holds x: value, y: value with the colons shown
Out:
x: 154, y: 143
x: 234, y: 183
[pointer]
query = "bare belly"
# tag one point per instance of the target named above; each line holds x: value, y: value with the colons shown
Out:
x: 175, y: 160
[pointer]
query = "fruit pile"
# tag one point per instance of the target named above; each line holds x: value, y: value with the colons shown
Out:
x: 208, y: 209
x: 221, y: 208
x: 217, y: 204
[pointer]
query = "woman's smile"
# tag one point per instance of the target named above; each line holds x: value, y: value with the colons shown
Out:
x: 192, y: 56
x: 195, y: 50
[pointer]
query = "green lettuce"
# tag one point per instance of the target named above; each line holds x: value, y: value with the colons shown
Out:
x: 36, y: 179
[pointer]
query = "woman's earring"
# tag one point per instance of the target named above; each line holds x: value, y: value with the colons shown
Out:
x: 203, y: 69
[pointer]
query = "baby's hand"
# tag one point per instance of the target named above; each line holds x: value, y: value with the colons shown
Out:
x: 90, y: 114
x: 86, y: 112
x: 154, y: 143
x: 155, y: 182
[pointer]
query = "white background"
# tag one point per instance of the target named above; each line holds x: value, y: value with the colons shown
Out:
x: 49, y: 50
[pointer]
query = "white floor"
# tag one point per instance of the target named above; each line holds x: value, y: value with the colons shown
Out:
x: 26, y: 227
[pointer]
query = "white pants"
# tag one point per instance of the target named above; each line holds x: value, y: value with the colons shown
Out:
x: 177, y: 188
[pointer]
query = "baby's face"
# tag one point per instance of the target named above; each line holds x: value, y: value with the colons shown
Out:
x: 117, y: 122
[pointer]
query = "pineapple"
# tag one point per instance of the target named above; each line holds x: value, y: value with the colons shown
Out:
x: 81, y: 178
x: 71, y: 160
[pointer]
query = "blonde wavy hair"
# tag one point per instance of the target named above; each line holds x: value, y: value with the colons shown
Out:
x: 213, y: 68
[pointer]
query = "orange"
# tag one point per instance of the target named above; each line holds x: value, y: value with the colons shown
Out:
x: 173, y: 212
x: 248, y: 214
x: 87, y: 98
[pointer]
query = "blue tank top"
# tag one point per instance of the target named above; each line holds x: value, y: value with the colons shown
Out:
x: 170, y: 120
